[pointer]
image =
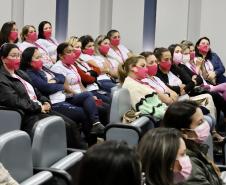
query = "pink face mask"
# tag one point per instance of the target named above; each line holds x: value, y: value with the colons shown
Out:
x: 77, y: 53
x: 115, y: 42
x: 165, y: 65
x: 32, y: 37
x: 13, y: 36
x: 185, y: 172
x: 152, y: 70
x: 177, y: 58
x: 192, y: 55
x: 47, y: 34
x: 69, y: 59
x: 36, y: 65
x: 104, y: 49
x: 88, y: 51
x: 12, y: 64
x: 204, y: 48
x: 202, y: 131
x: 140, y: 72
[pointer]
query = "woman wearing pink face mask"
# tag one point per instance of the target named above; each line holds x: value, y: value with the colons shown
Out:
x: 187, y: 117
x: 88, y: 55
x: 102, y: 47
x: 165, y: 94
x: 18, y: 93
x: 117, y: 51
x: 29, y: 38
x: 79, y: 95
x: 88, y: 73
x: 213, y: 68
x: 143, y: 97
x: 9, y: 33
x: 163, y: 157
x: 47, y: 41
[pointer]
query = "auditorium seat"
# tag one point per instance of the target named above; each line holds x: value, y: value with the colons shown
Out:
x: 49, y: 148
x: 16, y: 157
x: 116, y: 130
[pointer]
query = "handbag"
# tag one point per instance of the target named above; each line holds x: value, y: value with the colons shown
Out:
x: 130, y: 116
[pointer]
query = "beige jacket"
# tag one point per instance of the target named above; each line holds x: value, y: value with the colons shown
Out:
x: 5, y: 178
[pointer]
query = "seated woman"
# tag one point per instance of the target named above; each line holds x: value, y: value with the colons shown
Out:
x: 53, y: 85
x: 117, y: 51
x: 79, y: 96
x: 88, y: 73
x: 102, y: 47
x: 9, y: 33
x: 188, y: 118
x: 213, y: 66
x: 167, y: 95
x: 88, y: 56
x: 143, y: 97
x: 163, y: 157
x: 17, y: 92
x: 29, y: 38
x: 110, y: 163
x: 47, y: 41
x: 196, y: 65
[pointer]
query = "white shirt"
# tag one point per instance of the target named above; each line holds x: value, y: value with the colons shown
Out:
x: 99, y: 61
x: 71, y: 74
x: 50, y: 45
x: 173, y: 79
x: 120, y: 55
x: 47, y: 62
x: 56, y: 97
x: 155, y: 82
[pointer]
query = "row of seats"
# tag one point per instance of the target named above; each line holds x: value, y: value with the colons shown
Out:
x: 47, y: 154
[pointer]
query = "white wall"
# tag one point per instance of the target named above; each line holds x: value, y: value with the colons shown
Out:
x: 171, y: 22
x: 36, y: 11
x: 127, y: 17
x: 84, y: 17
x: 213, y: 25
x: 5, y: 11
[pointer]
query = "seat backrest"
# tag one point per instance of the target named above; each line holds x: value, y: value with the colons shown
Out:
x: 49, y: 141
x: 121, y: 103
x: 123, y: 132
x: 15, y: 154
x: 9, y: 120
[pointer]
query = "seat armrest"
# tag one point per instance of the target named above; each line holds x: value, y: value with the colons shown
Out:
x: 70, y: 150
x: 39, y: 178
x: 62, y: 174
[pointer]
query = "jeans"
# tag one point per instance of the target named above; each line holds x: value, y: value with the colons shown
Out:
x: 87, y: 102
x: 106, y: 85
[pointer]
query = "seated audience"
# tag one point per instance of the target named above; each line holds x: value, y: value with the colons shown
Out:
x: 187, y: 117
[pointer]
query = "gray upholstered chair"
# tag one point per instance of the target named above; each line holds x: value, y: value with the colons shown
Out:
x: 121, y: 103
x: 9, y: 120
x: 49, y: 147
x: 16, y: 157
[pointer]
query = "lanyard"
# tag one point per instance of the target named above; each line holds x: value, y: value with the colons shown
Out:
x: 119, y: 53
x: 72, y: 67
x: 39, y: 46
x: 26, y: 87
x: 51, y: 40
x: 157, y: 83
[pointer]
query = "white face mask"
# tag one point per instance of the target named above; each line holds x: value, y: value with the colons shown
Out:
x: 186, y: 58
